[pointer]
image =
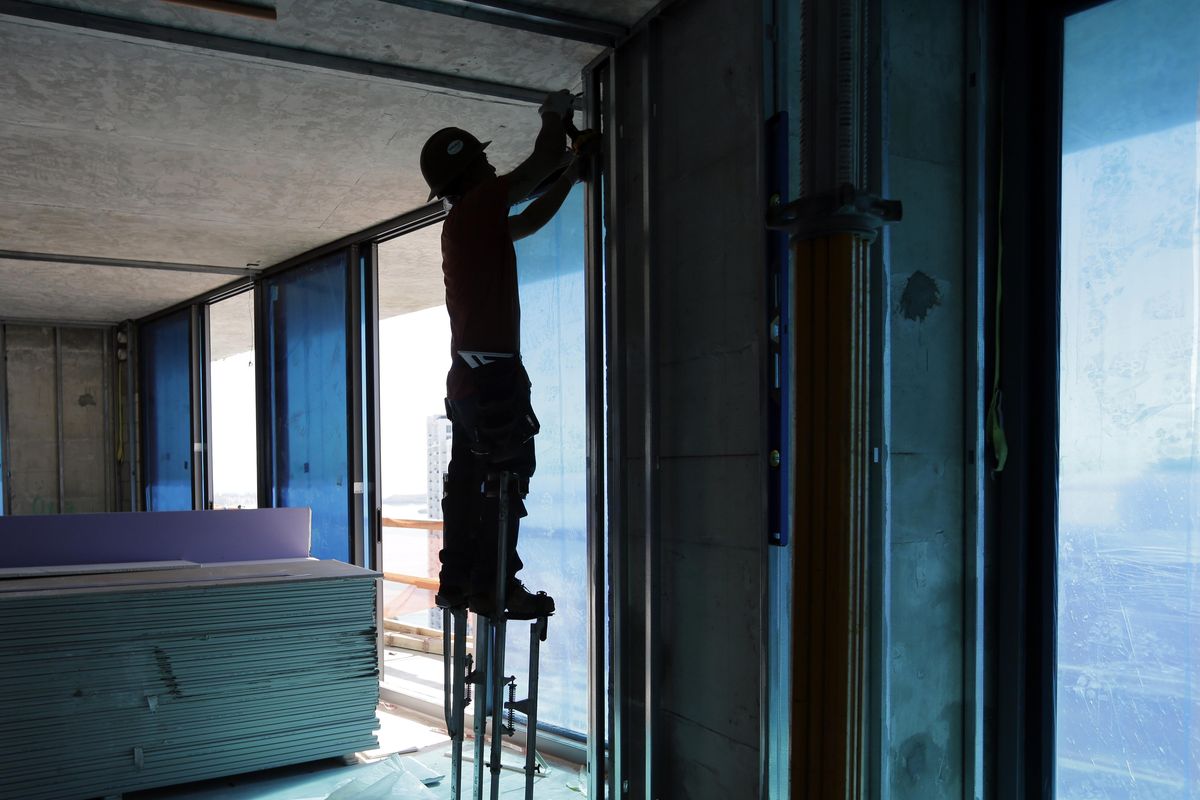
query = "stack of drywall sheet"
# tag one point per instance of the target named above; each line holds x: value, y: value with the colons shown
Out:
x: 116, y: 681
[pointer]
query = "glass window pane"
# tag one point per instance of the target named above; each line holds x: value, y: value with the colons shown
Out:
x: 553, y: 542
x: 232, y: 393
x: 167, y: 412
x: 309, y: 426
x: 414, y: 356
x: 1128, y: 689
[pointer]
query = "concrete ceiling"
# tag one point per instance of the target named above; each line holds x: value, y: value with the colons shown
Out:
x: 232, y: 324
x: 78, y: 293
x: 121, y: 148
x: 410, y: 273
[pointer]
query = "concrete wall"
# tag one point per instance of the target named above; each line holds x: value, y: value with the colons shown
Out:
x: 924, y: 548
x: 58, y: 399
x: 708, y: 268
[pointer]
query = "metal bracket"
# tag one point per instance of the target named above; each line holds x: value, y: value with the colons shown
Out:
x: 845, y: 210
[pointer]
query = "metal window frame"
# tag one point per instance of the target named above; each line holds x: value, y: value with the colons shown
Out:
x: 373, y: 461
x: 614, y: 339
x: 596, y: 81
x: 356, y: 427
x: 1022, y: 503
x: 263, y: 403
x: 198, y: 358
x: 209, y: 300
x: 653, y: 781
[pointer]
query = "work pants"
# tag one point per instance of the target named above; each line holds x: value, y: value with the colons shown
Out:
x: 471, y: 519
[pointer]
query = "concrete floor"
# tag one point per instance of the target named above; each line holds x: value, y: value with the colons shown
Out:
x: 401, y: 737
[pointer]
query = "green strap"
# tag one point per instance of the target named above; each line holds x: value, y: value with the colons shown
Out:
x: 995, y: 414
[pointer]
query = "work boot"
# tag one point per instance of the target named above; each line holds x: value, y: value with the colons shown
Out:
x: 522, y: 604
x: 450, y: 596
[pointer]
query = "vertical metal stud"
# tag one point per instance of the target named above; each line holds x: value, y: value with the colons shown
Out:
x: 58, y: 418
x: 5, y: 483
x: 133, y: 420
x: 107, y: 372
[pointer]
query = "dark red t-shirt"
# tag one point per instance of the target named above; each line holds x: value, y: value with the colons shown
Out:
x: 479, y: 265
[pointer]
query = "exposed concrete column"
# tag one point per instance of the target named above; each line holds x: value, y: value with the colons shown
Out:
x: 690, y: 242
x: 924, y: 702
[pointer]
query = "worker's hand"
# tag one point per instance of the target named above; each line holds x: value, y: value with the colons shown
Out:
x: 561, y: 103
x: 572, y: 172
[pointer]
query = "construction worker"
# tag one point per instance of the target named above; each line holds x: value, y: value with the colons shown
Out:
x: 487, y: 388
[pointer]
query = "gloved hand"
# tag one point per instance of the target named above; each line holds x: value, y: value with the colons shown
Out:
x: 561, y: 103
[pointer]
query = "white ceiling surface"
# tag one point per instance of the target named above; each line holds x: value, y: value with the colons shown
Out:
x: 137, y: 150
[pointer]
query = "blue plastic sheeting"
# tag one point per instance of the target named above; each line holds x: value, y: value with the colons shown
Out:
x: 167, y: 412
x: 306, y: 364
x: 553, y: 543
x: 1131, y: 71
x: 1128, y: 606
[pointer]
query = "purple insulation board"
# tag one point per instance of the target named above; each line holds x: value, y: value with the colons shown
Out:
x: 205, y: 537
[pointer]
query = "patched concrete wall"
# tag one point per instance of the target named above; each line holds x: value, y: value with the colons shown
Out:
x: 923, y: 698
x: 707, y: 254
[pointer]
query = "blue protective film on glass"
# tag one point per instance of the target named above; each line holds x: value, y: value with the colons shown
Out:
x: 167, y: 412
x: 553, y: 541
x: 1128, y: 678
x: 306, y: 319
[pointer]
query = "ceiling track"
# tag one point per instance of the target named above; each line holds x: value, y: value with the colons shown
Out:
x: 134, y: 30
x: 229, y: 7
x: 95, y: 261
x: 524, y: 17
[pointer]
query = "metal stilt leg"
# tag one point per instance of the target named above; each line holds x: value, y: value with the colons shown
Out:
x: 482, y: 667
x: 487, y: 676
x: 499, y: 632
x: 456, y: 665
x: 537, y: 635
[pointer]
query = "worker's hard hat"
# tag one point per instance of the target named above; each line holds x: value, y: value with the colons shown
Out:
x: 446, y: 155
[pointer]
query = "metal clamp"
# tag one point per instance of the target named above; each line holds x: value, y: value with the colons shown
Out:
x: 845, y: 210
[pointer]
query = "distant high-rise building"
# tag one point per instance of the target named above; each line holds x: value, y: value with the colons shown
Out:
x: 438, y: 438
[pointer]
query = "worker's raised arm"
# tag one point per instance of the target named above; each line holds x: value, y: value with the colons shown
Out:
x: 548, y: 148
x: 543, y: 209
